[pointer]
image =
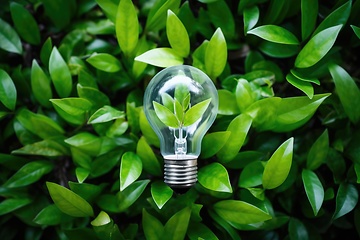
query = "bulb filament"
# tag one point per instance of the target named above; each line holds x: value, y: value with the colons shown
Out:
x: 180, y: 143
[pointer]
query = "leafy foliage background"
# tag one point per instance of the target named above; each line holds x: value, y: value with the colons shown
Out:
x: 79, y: 160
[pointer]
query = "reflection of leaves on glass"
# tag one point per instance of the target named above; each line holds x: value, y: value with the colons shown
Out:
x: 178, y: 113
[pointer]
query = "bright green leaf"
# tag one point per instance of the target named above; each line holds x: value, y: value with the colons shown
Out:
x: 176, y: 227
x: 251, y: 175
x: 314, y: 189
x: 227, y: 103
x: 105, y: 114
x: 251, y: 17
x: 348, y: 92
x: 127, y: 197
x: 216, y: 55
x: 68, y: 201
x: 161, y: 193
x: 130, y: 169
x: 244, y: 94
x: 60, y: 74
x: 127, y: 26
x: 8, y: 91
x: 153, y: 229
x: 196, y: 112
x: 104, y: 62
x: 346, y: 199
x: 47, y: 147
x: 177, y: 35
x: 213, y: 142
x: 215, y: 177
x: 9, y: 39
x: 40, y: 85
x: 278, y: 167
x: 318, y: 152
x: 275, y: 34
x: 50, y: 216
x: 240, y: 212
x: 317, y: 47
x: 166, y: 116
x: 304, y: 86
x: 156, y: 19
x: 161, y: 57
x: 73, y: 110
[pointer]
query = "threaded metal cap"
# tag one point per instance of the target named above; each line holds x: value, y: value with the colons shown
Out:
x: 180, y: 174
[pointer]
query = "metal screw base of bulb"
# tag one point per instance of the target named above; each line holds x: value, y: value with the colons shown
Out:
x: 180, y: 173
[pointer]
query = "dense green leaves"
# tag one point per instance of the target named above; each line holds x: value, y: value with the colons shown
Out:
x: 9, y: 39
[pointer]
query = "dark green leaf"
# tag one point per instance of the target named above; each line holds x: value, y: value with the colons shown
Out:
x: 200, y: 231
x: 215, y: 177
x: 104, y: 62
x: 317, y: 47
x: 127, y: 26
x: 346, y: 199
x: 278, y: 167
x: 8, y: 91
x: 216, y: 55
x: 356, y: 30
x: 105, y: 162
x: 348, y: 92
x: 60, y: 74
x: 59, y: 11
x: 9, y: 39
x: 304, y: 86
x: 309, y: 14
x: 161, y: 193
x: 275, y: 34
x: 127, y: 197
x: 40, y: 84
x: 240, y: 212
x: 96, y: 97
x: 49, y: 216
x: 314, y: 189
x: 130, y: 169
x: 213, y: 142
x: 25, y: 23
x: 68, y: 201
x: 318, y: 152
x: 177, y: 35
x: 297, y: 230
x: 161, y: 57
x: 28, y: 174
x: 11, y: 204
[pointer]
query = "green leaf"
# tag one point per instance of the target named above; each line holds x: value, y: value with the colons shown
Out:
x: 49, y: 216
x: 251, y: 17
x: 309, y: 14
x: 147, y: 130
x: 40, y: 85
x: 47, y: 147
x: 314, y: 189
x: 317, y: 47
x: 213, y: 142
x: 69, y: 202
x: 60, y: 74
x: 200, y: 231
x: 156, y: 18
x: 251, y: 175
x: 240, y: 212
x: 179, y: 111
x: 168, y: 101
x: 221, y: 16
x: 127, y: 197
x: 278, y: 167
x: 109, y: 7
x: 161, y: 57
x: 239, y: 128
x: 150, y: 162
x: 8, y: 91
x: 105, y: 162
x: 297, y: 229
x: 46, y: 51
x: 25, y: 24
x: 104, y: 62
x: 304, y: 86
x: 346, y: 199
x: 244, y: 94
x: 318, y: 152
x: 227, y: 103
x: 130, y: 169
x: 356, y: 30
x: 166, y: 116
x: 215, y: 177
x: 348, y: 92
x: 11, y: 204
x: 9, y: 39
x: 96, y: 97
x: 127, y: 26
x: 81, y: 174
x: 73, y: 110
x: 105, y: 114
x: 195, y: 112
x: 161, y: 193
x: 59, y: 12
x: 216, y: 55
x: 177, y: 35
x: 337, y: 17
x: 28, y: 174
x: 275, y: 34
x: 153, y: 229
x: 86, y: 142
x: 176, y: 227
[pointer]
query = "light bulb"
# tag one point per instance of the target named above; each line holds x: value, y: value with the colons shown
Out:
x: 181, y: 104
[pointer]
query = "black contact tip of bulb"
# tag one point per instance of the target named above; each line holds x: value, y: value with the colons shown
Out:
x: 180, y: 190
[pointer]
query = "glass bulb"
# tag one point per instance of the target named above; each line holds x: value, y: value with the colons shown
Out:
x: 180, y: 103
